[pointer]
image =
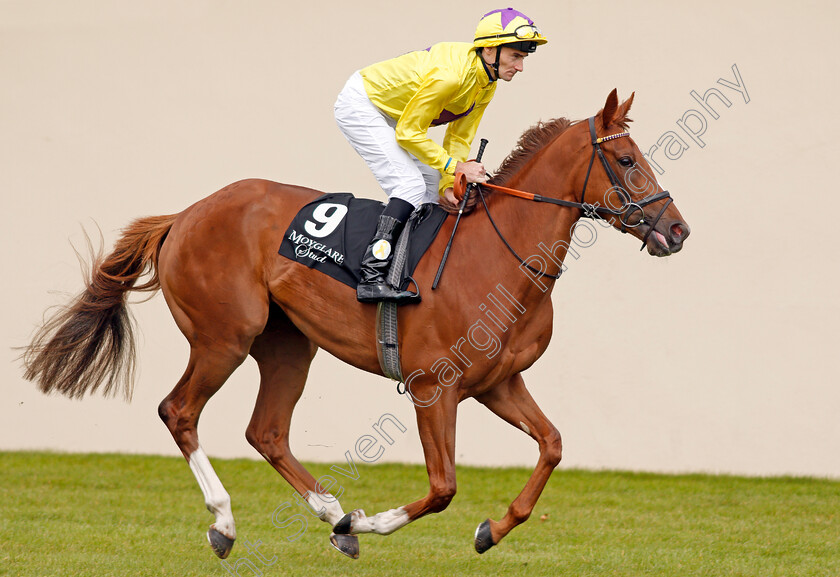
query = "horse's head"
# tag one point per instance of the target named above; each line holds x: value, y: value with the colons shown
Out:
x: 621, y: 186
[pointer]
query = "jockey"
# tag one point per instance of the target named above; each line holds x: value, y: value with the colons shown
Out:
x: 386, y: 109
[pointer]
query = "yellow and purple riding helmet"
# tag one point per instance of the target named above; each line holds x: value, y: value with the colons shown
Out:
x: 508, y: 27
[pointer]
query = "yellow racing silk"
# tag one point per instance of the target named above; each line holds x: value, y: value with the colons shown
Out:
x: 444, y: 84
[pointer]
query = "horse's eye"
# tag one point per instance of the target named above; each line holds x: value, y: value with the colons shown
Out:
x: 625, y: 161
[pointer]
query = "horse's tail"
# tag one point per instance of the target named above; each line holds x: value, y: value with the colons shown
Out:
x: 89, y: 343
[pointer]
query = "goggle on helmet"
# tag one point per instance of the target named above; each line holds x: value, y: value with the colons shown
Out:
x: 508, y: 27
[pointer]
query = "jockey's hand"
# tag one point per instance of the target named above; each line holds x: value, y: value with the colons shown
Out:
x: 473, y: 170
x: 449, y: 195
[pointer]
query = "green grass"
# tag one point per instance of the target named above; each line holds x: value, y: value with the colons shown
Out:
x: 135, y: 515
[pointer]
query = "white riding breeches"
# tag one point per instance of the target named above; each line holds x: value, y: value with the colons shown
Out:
x: 373, y: 134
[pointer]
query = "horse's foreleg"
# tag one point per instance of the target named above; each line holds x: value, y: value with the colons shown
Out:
x: 284, y: 354
x: 513, y: 403
x: 436, y: 425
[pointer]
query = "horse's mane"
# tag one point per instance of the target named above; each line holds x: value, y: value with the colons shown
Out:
x: 532, y: 141
x: 535, y: 139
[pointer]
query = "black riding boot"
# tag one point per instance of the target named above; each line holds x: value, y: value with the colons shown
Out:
x: 376, y: 262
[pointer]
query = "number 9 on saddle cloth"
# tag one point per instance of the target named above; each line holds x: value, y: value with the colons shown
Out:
x: 331, y: 233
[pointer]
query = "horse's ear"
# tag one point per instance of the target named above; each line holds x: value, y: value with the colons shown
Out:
x: 610, y: 108
x: 621, y: 114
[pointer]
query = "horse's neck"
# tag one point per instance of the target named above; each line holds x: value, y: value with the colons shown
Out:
x: 539, y: 232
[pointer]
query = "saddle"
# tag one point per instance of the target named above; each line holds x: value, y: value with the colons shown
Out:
x: 330, y: 235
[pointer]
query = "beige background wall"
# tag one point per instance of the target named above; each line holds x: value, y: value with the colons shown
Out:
x: 722, y: 358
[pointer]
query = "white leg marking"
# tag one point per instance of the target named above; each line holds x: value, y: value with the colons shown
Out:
x: 525, y: 428
x: 383, y: 523
x: 328, y: 508
x: 215, y: 496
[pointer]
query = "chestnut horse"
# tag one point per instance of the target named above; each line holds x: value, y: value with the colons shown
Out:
x: 232, y: 295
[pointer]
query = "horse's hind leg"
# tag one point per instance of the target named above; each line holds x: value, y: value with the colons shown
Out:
x: 180, y: 411
x: 206, y: 373
x: 219, y: 342
x: 284, y: 354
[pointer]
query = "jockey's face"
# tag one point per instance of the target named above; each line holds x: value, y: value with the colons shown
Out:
x: 510, y: 62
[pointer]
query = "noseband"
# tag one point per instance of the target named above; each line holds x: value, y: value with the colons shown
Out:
x: 588, y: 210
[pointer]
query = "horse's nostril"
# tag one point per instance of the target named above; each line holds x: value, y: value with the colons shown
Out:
x: 677, y: 232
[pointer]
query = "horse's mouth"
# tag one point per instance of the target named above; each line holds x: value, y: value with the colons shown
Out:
x: 659, y: 244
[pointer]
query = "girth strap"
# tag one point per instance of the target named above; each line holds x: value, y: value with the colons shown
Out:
x: 387, y: 341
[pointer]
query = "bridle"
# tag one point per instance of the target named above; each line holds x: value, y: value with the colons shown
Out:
x: 627, y: 206
x: 593, y: 211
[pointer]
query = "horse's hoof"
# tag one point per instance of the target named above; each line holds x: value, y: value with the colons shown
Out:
x: 347, y: 544
x: 220, y: 544
x: 483, y: 538
x: 343, y: 525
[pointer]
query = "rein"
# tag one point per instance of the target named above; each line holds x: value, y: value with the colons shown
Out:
x: 588, y: 210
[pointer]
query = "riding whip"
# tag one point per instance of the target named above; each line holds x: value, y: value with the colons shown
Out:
x: 467, y: 191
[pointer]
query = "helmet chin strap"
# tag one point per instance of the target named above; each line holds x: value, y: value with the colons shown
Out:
x: 496, y: 63
x: 488, y: 67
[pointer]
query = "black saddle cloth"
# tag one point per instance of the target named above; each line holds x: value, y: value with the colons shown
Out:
x: 331, y: 233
